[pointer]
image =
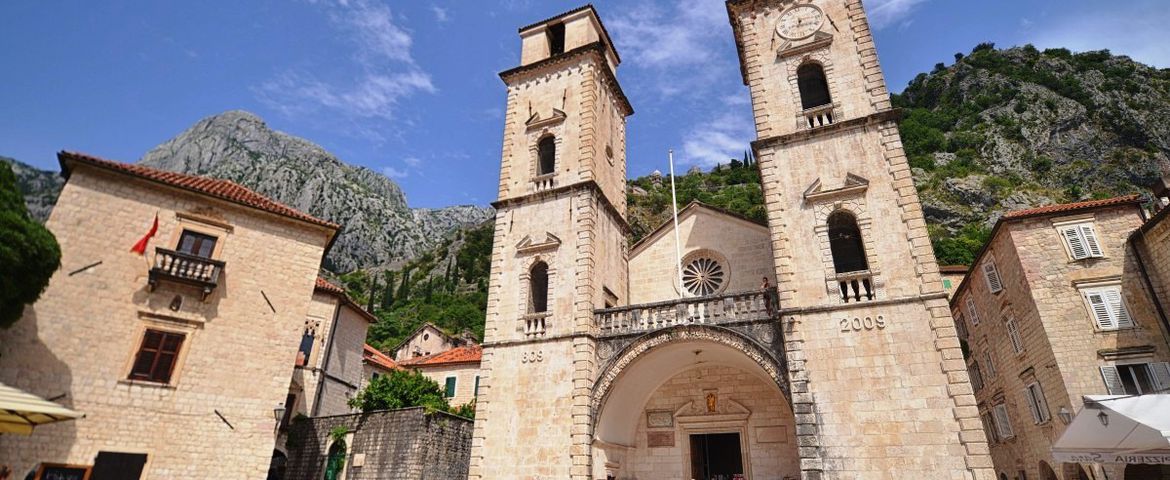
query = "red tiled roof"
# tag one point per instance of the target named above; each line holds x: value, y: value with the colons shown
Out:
x: 954, y: 268
x: 1069, y: 207
x: 325, y: 286
x: 468, y: 354
x: 376, y: 357
x: 213, y: 187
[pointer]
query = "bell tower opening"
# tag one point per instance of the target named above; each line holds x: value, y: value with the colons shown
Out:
x: 556, y: 39
x: 814, y: 88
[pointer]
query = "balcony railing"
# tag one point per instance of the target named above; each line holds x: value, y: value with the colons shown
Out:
x: 185, y: 268
x: 820, y: 116
x: 856, y: 286
x: 710, y: 310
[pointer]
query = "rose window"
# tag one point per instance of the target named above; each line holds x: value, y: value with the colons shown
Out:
x: 703, y: 276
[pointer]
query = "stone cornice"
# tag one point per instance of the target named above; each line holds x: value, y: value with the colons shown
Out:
x: 591, y: 185
x: 890, y: 115
x: 595, y: 49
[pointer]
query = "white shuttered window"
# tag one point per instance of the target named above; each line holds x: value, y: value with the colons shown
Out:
x: 971, y: 311
x: 1003, y: 426
x: 1014, y: 335
x: 989, y: 362
x: 1036, y: 402
x: 1136, y: 378
x: 1082, y: 241
x: 1107, y: 308
x: 991, y: 276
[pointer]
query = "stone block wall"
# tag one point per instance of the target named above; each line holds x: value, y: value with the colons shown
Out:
x: 406, y: 444
x: 214, y: 419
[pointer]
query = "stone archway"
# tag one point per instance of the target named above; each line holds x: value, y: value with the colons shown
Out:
x: 674, y: 387
x: 1046, y: 472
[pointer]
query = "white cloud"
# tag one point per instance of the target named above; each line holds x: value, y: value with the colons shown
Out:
x: 384, y: 75
x: 885, y: 13
x: 395, y: 173
x: 1136, y: 29
x: 440, y: 13
x: 412, y: 162
x: 718, y: 140
x: 683, y: 47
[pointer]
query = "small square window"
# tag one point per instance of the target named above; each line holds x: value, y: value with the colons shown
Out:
x: 1081, y: 241
x: 197, y: 244
x: 157, y: 355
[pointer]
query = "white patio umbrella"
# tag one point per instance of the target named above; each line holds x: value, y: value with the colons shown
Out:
x: 20, y: 411
x: 1118, y: 429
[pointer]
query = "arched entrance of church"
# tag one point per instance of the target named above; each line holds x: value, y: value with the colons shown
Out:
x: 697, y: 402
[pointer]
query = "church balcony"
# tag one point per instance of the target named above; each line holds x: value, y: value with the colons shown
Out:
x: 544, y: 182
x: 857, y: 286
x: 819, y: 116
x: 753, y: 305
x: 185, y: 268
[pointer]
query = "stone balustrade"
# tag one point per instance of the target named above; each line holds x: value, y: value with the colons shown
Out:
x: 709, y: 310
x: 857, y: 286
x: 819, y: 116
x: 185, y: 268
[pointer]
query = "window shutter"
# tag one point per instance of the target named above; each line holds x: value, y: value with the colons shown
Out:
x: 1112, y: 379
x: 989, y: 428
x: 1091, y: 246
x: 1014, y: 335
x: 1037, y: 393
x: 1117, y: 308
x: 1002, y: 425
x: 1076, y: 246
x: 960, y: 326
x: 971, y: 311
x: 1100, y: 310
x: 1030, y: 396
x: 1160, y: 372
x: 991, y: 275
x: 990, y: 364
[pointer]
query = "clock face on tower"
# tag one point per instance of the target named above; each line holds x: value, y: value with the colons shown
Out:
x: 800, y: 21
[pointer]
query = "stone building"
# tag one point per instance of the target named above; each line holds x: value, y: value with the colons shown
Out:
x: 1057, y: 307
x: 429, y: 339
x: 180, y: 358
x: 604, y: 360
x: 375, y: 364
x: 952, y: 276
x: 455, y: 370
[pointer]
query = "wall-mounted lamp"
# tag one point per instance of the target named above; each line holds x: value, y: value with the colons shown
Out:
x: 1065, y: 415
x: 278, y: 414
x: 1104, y: 418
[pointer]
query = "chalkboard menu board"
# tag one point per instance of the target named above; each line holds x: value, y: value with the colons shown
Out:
x: 52, y: 471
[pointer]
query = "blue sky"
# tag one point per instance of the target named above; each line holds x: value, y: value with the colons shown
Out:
x: 410, y: 88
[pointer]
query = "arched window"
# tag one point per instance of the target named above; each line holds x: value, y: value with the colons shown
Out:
x: 814, y: 89
x: 845, y: 243
x: 547, y: 151
x: 538, y: 288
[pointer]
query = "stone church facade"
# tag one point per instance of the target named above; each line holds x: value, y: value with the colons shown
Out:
x: 600, y: 362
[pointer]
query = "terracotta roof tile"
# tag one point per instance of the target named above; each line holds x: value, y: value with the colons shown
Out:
x: 467, y: 354
x: 1068, y: 207
x: 221, y: 189
x: 325, y: 286
x: 376, y: 357
x: 954, y: 268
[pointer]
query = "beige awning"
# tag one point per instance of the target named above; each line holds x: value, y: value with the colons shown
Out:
x: 1134, y: 429
x: 21, y: 411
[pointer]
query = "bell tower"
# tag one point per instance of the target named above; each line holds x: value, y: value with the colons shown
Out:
x: 879, y: 384
x: 559, y: 250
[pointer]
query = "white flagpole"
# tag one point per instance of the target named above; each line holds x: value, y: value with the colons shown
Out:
x: 677, y: 243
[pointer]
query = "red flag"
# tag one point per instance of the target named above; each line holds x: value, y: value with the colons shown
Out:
x: 140, y: 247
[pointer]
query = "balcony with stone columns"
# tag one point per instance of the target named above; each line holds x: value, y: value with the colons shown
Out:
x: 720, y: 309
x: 185, y: 268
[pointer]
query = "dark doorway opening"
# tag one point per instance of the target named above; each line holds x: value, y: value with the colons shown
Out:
x: 716, y: 456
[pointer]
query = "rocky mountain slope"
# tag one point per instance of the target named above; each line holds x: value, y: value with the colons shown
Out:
x: 40, y: 187
x: 1006, y: 129
x: 380, y: 229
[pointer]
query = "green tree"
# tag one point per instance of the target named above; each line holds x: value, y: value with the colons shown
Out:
x: 29, y: 253
x: 400, y: 389
x: 388, y: 292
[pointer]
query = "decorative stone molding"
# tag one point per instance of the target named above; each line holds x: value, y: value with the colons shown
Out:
x: 528, y: 246
x: 536, y: 122
x: 850, y: 199
x: 534, y: 324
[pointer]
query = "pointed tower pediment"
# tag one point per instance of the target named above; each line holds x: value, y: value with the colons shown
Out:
x: 536, y: 121
x: 528, y: 245
x: 852, y: 185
